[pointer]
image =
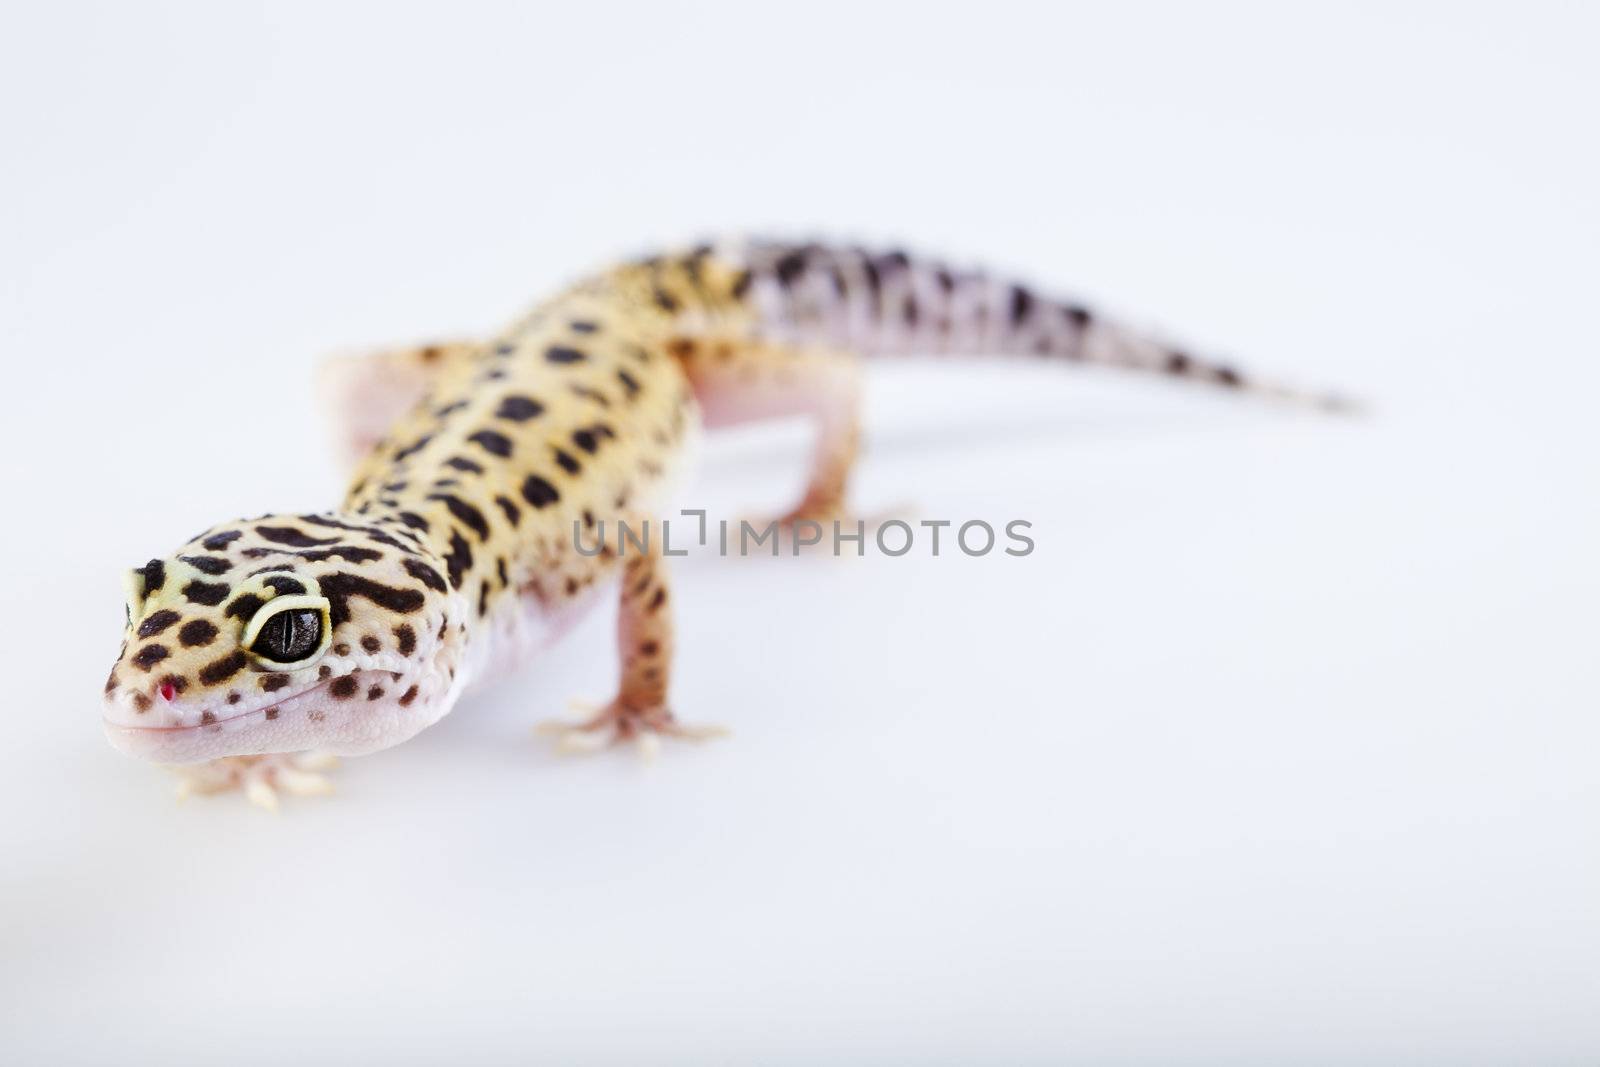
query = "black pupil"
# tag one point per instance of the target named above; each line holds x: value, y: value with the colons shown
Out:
x: 289, y: 635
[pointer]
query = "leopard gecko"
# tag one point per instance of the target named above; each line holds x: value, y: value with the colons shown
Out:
x: 263, y: 648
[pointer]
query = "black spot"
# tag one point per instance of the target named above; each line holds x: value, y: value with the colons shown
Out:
x: 565, y: 461
x: 586, y: 440
x: 665, y: 300
x: 408, y: 696
x: 288, y: 535
x: 196, y: 632
x: 343, y: 688
x: 149, y: 656
x: 384, y: 539
x: 500, y: 569
x: 154, y: 574
x: 370, y: 643
x: 350, y: 553
x: 323, y: 520
x: 483, y: 598
x: 629, y: 383
x: 208, y: 593
x: 157, y: 623
x: 416, y: 522
x: 583, y: 326
x: 791, y: 267
x: 424, y: 574
x: 285, y: 586
x: 1228, y: 376
x: 461, y: 463
x: 1179, y: 363
x: 496, y: 444
x: 1021, y: 304
x: 217, y: 542
x: 465, y: 512
x: 1078, y: 315
x: 413, y: 448
x: 340, y: 586
x: 212, y: 565
x: 451, y: 409
x: 538, y: 492
x: 273, y: 682
x: 459, y: 559
x: 563, y: 354
x: 513, y: 513
x: 874, y: 279
x: 375, y: 692
x: 593, y: 395
x: 518, y: 408
x: 244, y: 607
x: 407, y: 637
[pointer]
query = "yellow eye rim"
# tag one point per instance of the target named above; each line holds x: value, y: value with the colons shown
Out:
x: 276, y: 606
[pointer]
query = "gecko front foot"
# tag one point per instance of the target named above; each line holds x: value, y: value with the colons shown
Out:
x: 621, y: 721
x: 259, y: 777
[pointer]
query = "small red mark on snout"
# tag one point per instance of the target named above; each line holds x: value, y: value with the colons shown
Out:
x: 167, y: 691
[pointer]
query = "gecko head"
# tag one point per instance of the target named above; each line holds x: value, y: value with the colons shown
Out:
x: 281, y: 634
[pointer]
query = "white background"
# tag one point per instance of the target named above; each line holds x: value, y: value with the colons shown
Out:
x: 1280, y: 748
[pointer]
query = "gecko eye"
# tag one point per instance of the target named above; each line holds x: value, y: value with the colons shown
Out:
x: 289, y: 630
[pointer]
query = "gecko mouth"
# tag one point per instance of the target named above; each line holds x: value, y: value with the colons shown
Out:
x: 112, y: 723
x: 295, y: 723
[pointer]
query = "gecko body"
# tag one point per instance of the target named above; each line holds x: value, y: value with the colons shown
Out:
x: 453, y: 553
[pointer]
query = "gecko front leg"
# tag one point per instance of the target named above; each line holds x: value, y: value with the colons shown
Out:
x: 640, y: 710
x: 367, y: 393
x: 260, y: 778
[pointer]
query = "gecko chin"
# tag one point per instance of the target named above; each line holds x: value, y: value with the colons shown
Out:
x: 352, y: 715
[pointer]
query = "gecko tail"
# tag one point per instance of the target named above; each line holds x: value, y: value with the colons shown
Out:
x: 1110, y: 344
x: 891, y: 303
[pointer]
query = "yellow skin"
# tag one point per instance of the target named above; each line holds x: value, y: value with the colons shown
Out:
x: 453, y: 553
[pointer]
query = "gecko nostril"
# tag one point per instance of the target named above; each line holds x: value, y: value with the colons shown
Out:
x: 167, y: 691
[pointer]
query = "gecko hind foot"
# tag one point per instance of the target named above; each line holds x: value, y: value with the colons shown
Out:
x: 260, y: 778
x: 619, y: 721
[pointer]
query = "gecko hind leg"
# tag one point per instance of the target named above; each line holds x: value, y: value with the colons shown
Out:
x: 746, y: 380
x: 260, y: 778
x: 640, y: 711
